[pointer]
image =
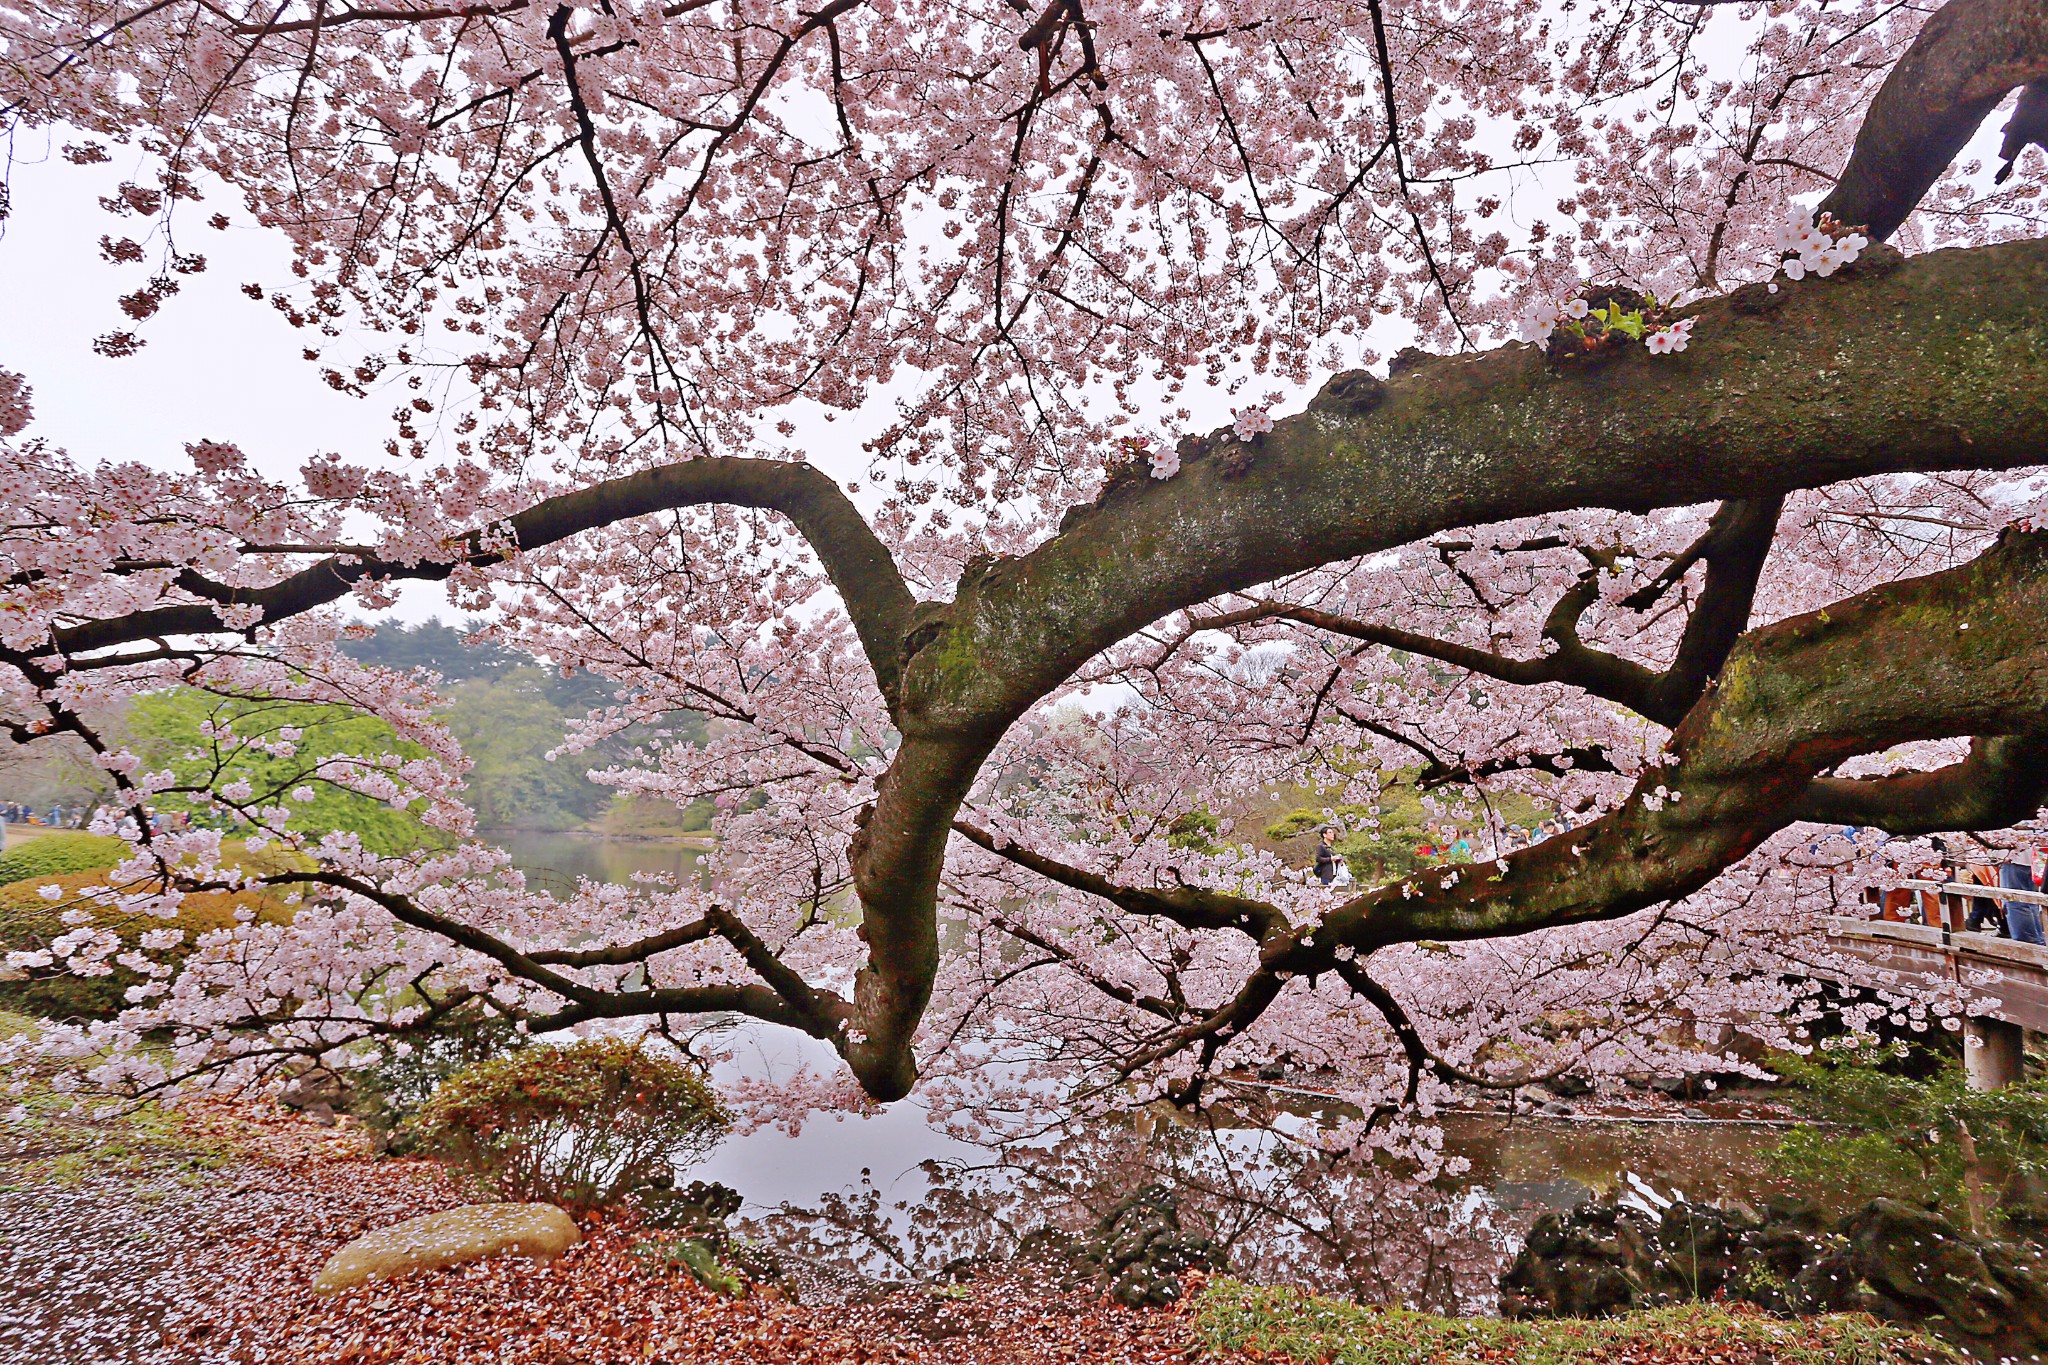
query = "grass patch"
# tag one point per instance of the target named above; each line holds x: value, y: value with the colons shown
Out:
x: 51, y: 853
x: 49, y: 1141
x: 1279, y: 1323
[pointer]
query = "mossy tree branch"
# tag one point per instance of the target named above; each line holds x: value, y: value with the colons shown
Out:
x: 1936, y: 363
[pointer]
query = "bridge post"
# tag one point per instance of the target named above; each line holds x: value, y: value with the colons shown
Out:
x: 1994, y: 1053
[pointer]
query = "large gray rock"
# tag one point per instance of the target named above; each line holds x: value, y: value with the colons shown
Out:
x: 1909, y: 1264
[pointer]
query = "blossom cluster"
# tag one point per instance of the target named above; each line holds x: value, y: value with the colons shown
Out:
x: 1250, y: 423
x: 1593, y: 327
x: 1162, y: 460
x: 1821, y: 248
x: 1667, y: 340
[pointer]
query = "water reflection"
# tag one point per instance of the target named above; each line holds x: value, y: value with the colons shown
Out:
x: 1547, y: 1161
x: 891, y: 1196
x: 1281, y: 1214
x: 553, y: 861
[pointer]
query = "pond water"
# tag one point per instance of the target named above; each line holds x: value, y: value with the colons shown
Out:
x: 552, y: 861
x: 892, y: 1195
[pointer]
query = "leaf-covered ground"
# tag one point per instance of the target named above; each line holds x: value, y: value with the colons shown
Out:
x: 191, y: 1240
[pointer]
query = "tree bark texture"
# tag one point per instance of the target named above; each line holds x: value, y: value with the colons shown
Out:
x: 1938, y: 362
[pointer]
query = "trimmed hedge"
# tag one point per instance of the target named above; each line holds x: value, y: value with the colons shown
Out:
x: 582, y: 1125
x: 29, y: 922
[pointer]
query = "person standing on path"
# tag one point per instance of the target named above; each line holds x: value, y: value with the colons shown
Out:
x: 1326, y: 857
x: 1983, y: 910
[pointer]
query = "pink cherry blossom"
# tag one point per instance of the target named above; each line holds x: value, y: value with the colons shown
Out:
x: 1007, y: 732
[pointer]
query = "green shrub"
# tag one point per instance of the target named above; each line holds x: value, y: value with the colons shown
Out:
x: 1909, y: 1137
x: 582, y: 1125
x: 699, y: 1259
x: 169, y: 732
x: 58, y: 852
x: 1196, y: 830
x: 29, y: 922
x: 1375, y: 855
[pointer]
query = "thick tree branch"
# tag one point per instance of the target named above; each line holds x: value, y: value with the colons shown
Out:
x: 1737, y: 542
x: 1743, y: 414
x: 2028, y: 126
x: 1968, y: 57
x: 1889, y: 667
x: 625, y: 954
x: 855, y: 559
x: 826, y: 1012
x: 1584, y: 758
x: 2004, y: 781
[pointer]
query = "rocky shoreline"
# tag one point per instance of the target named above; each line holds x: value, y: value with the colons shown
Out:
x: 1899, y: 1262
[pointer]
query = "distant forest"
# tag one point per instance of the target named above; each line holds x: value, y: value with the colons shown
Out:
x: 508, y: 711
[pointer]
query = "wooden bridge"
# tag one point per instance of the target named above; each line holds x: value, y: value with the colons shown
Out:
x: 1933, y: 946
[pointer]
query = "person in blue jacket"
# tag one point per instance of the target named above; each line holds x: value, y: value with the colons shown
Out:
x: 2022, y: 918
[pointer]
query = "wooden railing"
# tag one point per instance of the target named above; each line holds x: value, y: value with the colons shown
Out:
x: 1932, y: 951
x: 1972, y: 891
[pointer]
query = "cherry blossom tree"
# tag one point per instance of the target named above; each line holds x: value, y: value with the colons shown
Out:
x: 1729, y: 551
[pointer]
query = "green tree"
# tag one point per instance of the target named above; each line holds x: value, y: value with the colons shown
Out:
x: 508, y: 712
x: 1905, y: 1136
x: 507, y: 725
x: 167, y: 731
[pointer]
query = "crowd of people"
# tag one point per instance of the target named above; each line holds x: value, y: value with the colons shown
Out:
x: 2018, y: 920
x: 80, y: 816
x: 54, y: 816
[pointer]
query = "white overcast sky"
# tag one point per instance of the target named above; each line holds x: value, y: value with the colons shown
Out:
x: 222, y: 367
x: 218, y: 366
